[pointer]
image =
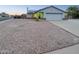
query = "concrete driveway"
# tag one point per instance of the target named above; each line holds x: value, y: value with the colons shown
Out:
x: 69, y: 25
x: 73, y: 27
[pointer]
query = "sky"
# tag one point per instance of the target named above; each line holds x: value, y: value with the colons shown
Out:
x: 19, y: 9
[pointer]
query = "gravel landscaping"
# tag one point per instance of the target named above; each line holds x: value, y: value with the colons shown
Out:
x: 24, y: 36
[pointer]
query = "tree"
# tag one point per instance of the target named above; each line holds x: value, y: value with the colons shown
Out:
x: 73, y: 12
x: 38, y: 15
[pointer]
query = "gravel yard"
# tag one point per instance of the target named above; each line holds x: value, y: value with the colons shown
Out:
x: 27, y: 36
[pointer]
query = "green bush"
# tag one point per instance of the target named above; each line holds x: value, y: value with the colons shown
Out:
x: 38, y: 16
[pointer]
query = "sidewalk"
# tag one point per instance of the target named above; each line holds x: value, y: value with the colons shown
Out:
x: 69, y: 50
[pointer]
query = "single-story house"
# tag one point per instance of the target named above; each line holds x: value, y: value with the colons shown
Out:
x: 4, y: 16
x: 49, y: 13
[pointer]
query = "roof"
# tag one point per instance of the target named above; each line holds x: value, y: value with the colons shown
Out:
x: 46, y: 8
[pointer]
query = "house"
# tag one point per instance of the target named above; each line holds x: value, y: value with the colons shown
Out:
x: 4, y: 16
x: 49, y: 13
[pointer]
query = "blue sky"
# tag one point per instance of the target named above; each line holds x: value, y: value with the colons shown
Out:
x: 15, y: 9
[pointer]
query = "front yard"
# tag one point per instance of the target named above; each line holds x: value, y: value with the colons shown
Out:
x: 28, y: 36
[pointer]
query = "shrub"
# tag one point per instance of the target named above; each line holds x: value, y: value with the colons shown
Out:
x: 38, y: 16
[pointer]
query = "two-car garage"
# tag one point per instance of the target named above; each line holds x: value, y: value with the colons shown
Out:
x: 54, y: 16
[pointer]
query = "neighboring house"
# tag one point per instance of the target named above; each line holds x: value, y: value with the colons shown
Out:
x: 49, y: 13
x: 4, y: 16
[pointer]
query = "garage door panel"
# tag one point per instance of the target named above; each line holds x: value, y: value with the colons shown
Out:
x: 54, y: 16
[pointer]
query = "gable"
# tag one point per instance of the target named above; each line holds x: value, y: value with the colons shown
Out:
x: 51, y: 10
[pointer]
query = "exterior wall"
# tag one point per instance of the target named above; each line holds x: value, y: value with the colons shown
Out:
x: 29, y: 15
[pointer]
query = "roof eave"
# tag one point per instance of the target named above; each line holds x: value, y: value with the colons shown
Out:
x: 49, y: 7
